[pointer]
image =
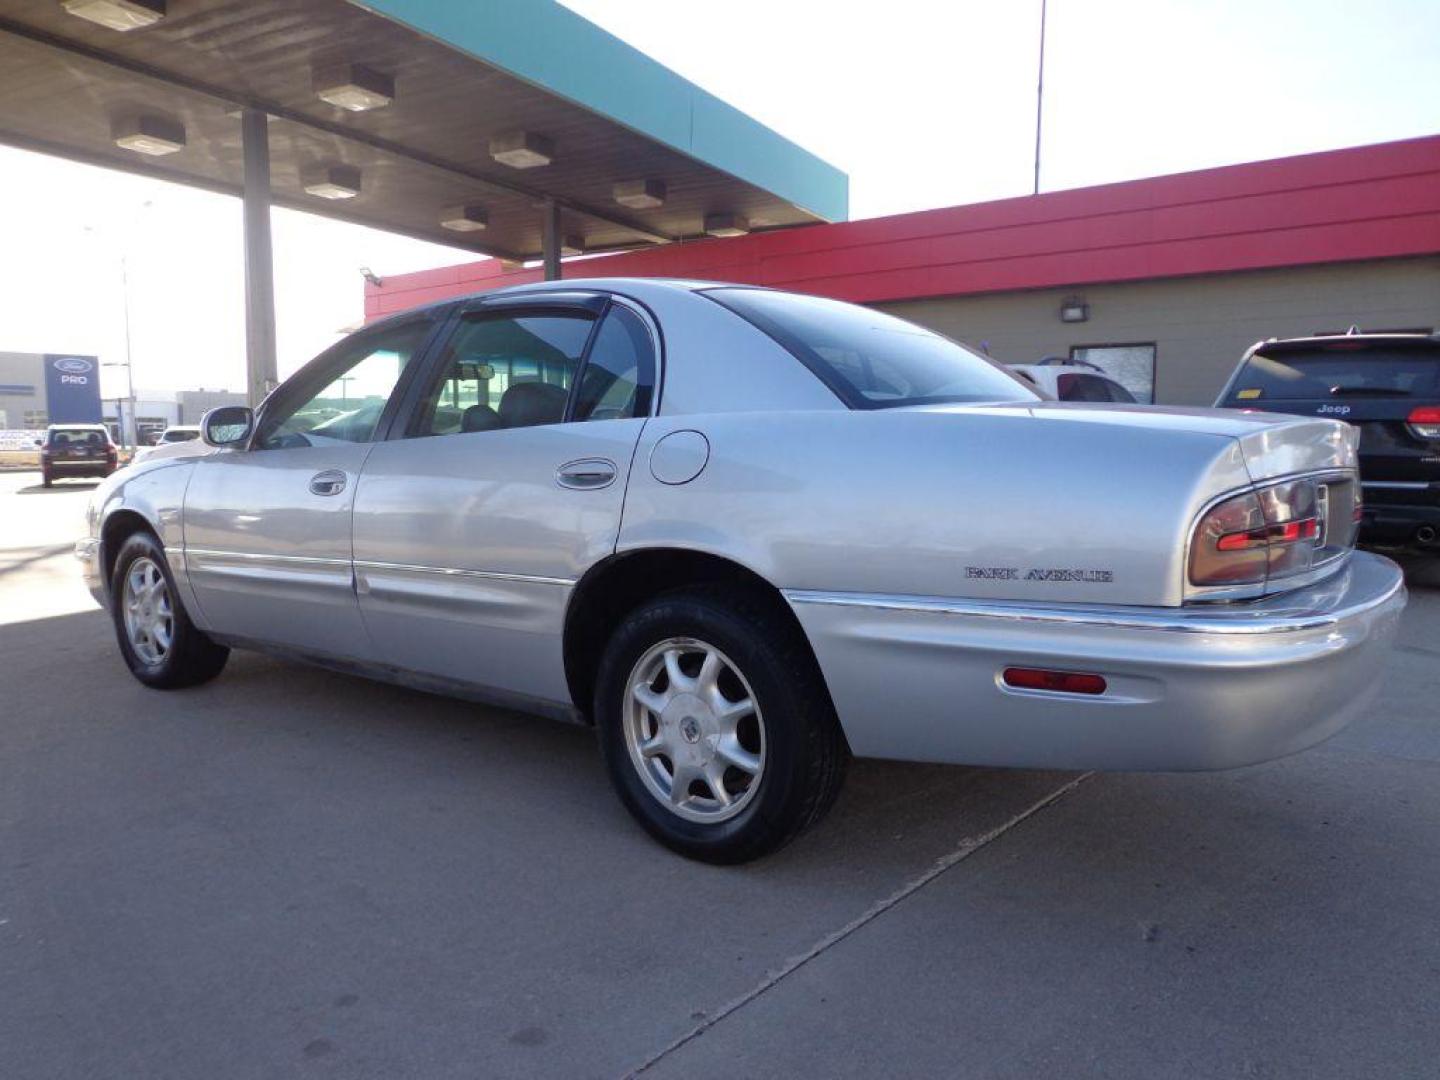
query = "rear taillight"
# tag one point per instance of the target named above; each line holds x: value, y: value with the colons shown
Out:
x: 1424, y: 422
x: 111, y: 457
x: 1268, y: 533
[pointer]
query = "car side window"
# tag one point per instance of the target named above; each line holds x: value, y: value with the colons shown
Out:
x: 618, y: 380
x: 343, y: 398
x: 1081, y: 388
x: 505, y: 370
x: 1119, y: 393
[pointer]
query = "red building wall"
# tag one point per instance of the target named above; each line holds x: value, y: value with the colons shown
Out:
x: 1369, y: 202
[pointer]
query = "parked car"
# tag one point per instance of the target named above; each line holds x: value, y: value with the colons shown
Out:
x: 1388, y: 387
x: 1066, y: 380
x: 171, y: 436
x: 76, y: 450
x: 747, y: 533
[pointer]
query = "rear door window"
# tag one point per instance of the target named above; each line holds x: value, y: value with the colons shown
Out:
x: 505, y: 369
x: 1338, y: 372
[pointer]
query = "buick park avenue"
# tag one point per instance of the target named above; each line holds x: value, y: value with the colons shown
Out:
x: 746, y: 534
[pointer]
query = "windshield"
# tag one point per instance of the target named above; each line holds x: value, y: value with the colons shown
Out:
x: 1339, y: 371
x: 873, y: 360
x: 180, y: 435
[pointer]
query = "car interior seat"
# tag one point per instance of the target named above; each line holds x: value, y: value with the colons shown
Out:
x: 529, y: 403
x: 479, y: 418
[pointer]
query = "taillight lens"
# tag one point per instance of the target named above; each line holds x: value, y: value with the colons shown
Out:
x: 1267, y: 533
x: 1425, y: 422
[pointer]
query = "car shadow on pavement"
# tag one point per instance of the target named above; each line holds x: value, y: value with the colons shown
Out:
x: 60, y: 487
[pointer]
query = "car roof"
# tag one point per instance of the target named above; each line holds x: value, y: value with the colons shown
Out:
x: 1297, y: 344
x: 79, y: 426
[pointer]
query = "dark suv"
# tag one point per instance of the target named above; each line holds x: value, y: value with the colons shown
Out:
x: 1387, y: 385
x: 77, y: 450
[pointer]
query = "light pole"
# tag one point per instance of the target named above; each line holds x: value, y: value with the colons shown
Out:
x: 1039, y: 97
x: 129, y: 429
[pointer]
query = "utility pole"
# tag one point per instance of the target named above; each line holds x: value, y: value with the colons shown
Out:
x: 1040, y: 97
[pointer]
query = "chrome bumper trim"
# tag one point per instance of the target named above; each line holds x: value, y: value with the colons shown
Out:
x: 1306, y: 609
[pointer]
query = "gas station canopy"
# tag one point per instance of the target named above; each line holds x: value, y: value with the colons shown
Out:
x: 515, y: 129
x: 403, y: 114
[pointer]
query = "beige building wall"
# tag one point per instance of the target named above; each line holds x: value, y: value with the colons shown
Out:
x: 1201, y: 325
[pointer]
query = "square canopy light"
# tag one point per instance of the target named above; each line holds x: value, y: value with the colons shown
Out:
x: 726, y: 225
x: 468, y: 218
x: 119, y: 15
x: 640, y: 194
x: 522, y: 149
x: 333, y: 181
x: 1074, y: 309
x: 353, y: 87
x: 148, y: 133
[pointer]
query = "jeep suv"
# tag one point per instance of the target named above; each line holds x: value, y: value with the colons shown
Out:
x: 77, y: 450
x: 1387, y: 385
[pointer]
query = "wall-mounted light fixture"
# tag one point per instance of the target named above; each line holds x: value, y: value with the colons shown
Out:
x: 122, y: 15
x: 467, y: 218
x: 1074, y: 309
x: 726, y: 224
x: 522, y: 149
x: 353, y: 87
x: 643, y: 194
x: 332, y: 181
x: 148, y: 133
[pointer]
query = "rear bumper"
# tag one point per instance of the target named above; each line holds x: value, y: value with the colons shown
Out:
x: 1200, y: 687
x: 1387, y: 520
x: 78, y: 468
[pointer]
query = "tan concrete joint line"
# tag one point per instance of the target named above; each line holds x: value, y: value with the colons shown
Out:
x: 967, y: 847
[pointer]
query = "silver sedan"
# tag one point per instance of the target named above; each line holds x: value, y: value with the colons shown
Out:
x: 746, y: 533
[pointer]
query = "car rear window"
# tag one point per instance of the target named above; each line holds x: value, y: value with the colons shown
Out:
x: 77, y: 436
x: 1338, y: 371
x: 869, y: 359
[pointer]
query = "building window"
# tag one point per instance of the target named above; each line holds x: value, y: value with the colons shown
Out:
x: 1132, y: 366
x: 35, y: 419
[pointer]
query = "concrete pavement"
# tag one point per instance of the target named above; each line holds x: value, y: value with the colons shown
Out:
x: 290, y: 872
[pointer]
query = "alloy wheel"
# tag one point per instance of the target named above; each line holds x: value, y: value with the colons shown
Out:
x: 694, y: 730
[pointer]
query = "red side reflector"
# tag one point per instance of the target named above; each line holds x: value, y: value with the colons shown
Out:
x: 1060, y: 682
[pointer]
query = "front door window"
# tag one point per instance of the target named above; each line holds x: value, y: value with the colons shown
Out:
x: 343, y: 398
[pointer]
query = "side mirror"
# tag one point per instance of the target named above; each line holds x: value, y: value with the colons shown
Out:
x: 229, y: 425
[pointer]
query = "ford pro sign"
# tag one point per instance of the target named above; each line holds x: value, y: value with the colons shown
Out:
x: 72, y: 389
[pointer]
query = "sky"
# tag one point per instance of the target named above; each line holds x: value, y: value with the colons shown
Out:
x: 924, y: 103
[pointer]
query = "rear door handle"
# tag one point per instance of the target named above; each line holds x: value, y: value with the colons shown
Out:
x: 329, y: 482
x: 587, y: 474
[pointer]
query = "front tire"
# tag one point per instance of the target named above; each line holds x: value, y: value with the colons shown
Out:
x: 716, y: 726
x: 162, y: 647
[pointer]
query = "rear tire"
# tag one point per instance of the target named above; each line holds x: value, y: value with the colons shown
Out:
x: 162, y: 647
x: 714, y: 688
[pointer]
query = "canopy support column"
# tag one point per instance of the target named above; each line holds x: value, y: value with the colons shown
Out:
x: 550, y: 240
x: 261, y: 374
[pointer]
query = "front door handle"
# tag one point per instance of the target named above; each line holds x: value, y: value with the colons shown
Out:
x: 587, y: 474
x: 329, y: 482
